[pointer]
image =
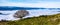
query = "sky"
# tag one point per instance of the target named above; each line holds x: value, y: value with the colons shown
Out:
x: 31, y: 3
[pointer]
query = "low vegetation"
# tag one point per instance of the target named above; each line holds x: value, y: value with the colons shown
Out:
x: 40, y: 20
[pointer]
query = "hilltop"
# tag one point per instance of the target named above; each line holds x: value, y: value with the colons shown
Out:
x: 40, y: 20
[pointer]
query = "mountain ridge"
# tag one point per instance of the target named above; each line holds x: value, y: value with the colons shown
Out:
x: 16, y: 8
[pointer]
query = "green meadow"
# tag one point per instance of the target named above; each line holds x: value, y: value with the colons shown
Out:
x: 39, y: 20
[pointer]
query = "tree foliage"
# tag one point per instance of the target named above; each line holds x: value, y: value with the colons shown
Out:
x: 21, y: 14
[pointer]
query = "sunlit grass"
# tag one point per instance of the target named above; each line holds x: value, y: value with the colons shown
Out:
x: 40, y: 20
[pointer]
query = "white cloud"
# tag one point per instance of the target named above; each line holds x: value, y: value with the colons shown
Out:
x: 46, y: 5
x: 39, y: 4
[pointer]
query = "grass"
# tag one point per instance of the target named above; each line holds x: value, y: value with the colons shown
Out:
x: 40, y: 20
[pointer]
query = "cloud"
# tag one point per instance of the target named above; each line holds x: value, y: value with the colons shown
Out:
x: 45, y: 5
x: 38, y: 4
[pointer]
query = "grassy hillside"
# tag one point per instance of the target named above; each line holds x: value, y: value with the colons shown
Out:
x: 40, y: 20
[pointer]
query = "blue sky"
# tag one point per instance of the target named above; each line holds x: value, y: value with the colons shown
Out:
x: 34, y: 0
x: 31, y: 3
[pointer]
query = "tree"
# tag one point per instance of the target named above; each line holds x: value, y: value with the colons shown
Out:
x: 0, y: 13
x: 21, y: 14
x: 4, y: 20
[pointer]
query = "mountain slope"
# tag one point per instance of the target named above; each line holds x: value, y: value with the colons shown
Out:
x: 40, y: 20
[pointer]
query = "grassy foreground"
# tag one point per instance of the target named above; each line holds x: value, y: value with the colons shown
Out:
x: 40, y: 20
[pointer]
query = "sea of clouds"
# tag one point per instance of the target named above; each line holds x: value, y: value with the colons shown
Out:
x: 31, y: 13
